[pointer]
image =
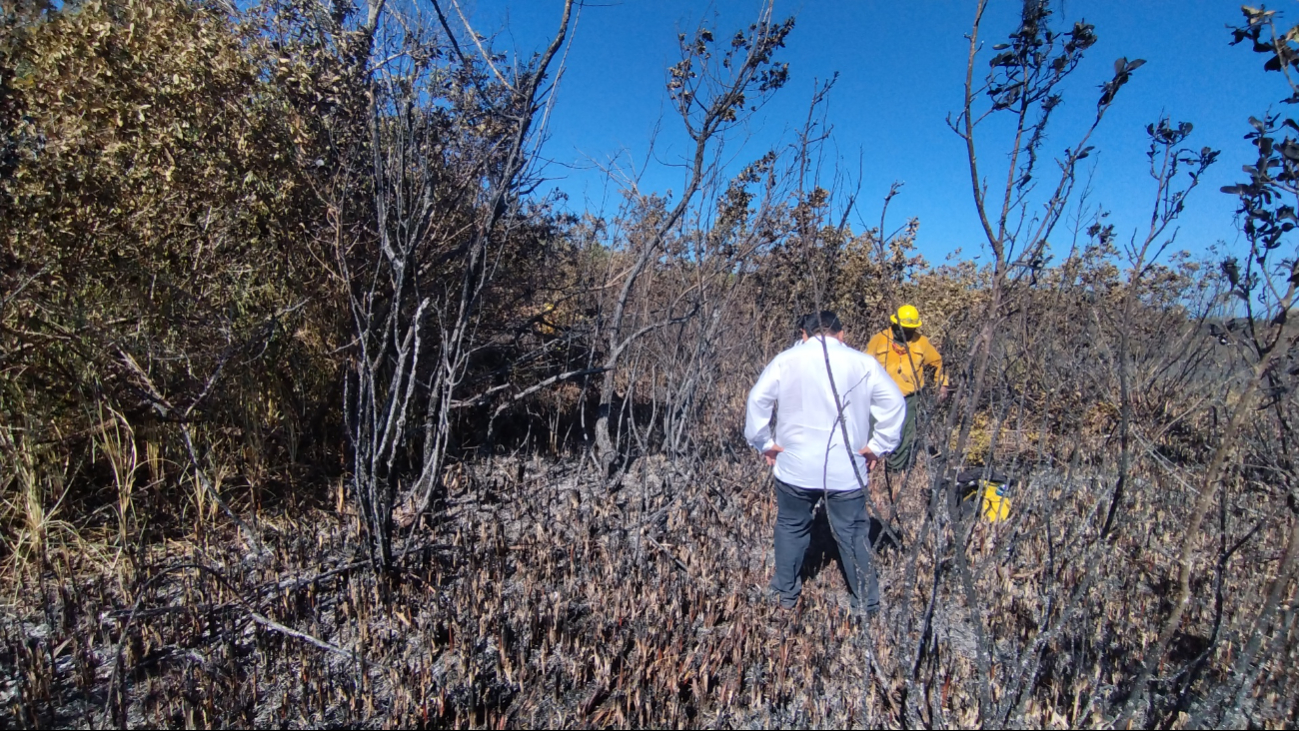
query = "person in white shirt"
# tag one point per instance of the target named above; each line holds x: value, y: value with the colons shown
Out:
x: 824, y: 447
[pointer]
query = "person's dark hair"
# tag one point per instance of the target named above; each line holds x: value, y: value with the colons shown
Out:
x: 825, y: 322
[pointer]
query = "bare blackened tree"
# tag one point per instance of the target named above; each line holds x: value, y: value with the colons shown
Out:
x: 1167, y: 161
x: 711, y: 93
x: 1263, y: 288
x: 444, y: 185
x: 1017, y: 220
x: 713, y: 277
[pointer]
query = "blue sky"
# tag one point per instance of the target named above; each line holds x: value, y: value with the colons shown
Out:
x: 901, y: 69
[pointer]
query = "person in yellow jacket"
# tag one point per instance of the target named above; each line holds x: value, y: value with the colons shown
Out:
x: 908, y: 357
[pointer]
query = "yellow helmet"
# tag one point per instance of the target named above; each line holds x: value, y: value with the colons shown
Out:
x: 907, y: 316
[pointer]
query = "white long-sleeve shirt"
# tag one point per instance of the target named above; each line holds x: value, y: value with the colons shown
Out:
x: 807, y: 426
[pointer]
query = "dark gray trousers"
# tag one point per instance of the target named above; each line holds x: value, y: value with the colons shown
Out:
x: 846, y: 512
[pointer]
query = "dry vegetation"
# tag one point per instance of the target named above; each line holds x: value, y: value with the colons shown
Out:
x: 314, y: 412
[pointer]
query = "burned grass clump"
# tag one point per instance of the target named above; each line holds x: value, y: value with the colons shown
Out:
x: 559, y: 603
x: 531, y: 611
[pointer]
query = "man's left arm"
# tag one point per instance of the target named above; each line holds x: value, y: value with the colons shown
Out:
x: 888, y: 408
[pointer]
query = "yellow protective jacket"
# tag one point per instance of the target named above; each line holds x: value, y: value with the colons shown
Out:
x: 906, y: 363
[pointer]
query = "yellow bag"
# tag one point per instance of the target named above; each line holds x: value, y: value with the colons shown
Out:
x: 996, y: 506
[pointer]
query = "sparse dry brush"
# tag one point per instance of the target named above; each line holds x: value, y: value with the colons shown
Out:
x: 296, y: 429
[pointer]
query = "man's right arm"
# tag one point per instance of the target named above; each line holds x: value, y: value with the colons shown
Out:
x: 762, y: 401
x: 933, y: 359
